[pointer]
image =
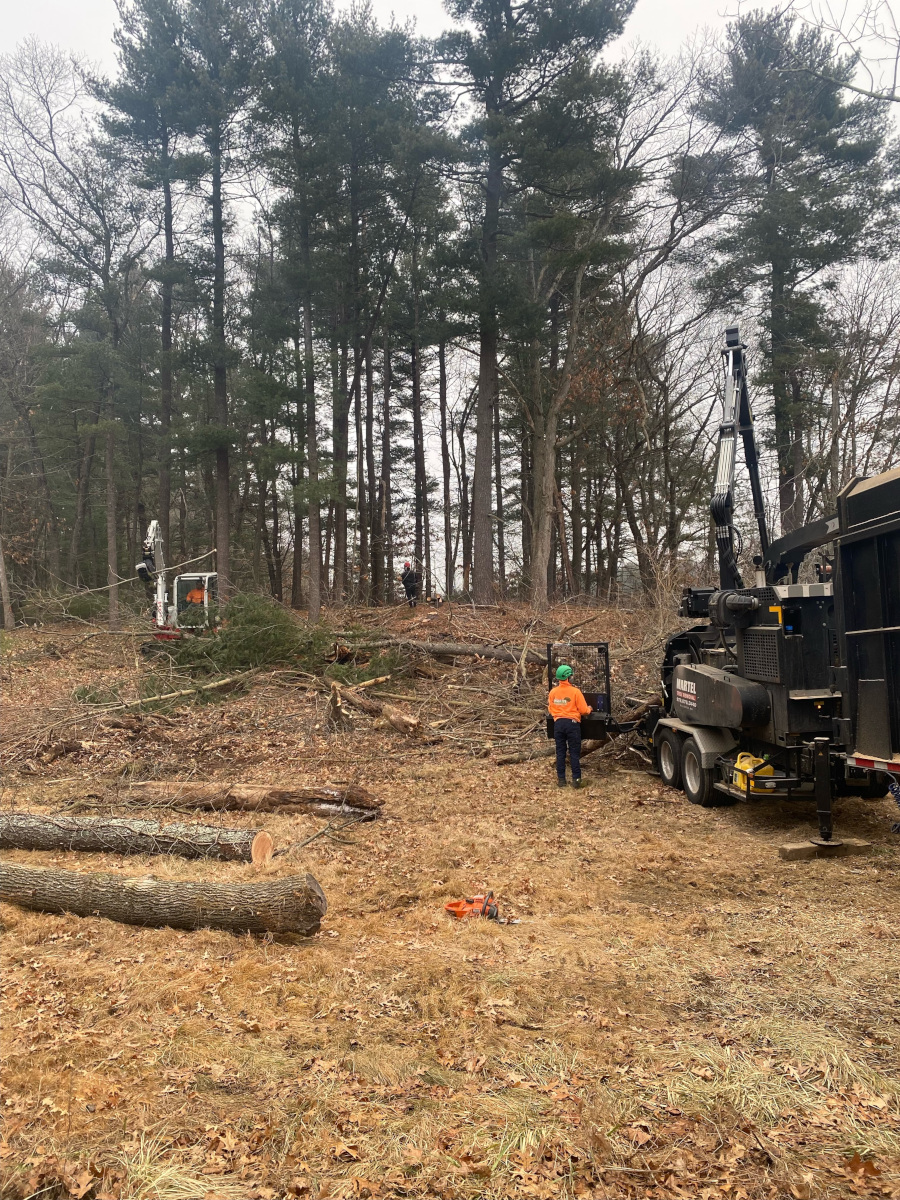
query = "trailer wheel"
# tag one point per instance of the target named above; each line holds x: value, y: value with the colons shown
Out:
x: 875, y: 789
x: 697, y: 779
x: 668, y: 756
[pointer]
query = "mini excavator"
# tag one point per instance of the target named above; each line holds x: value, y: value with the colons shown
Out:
x: 194, y: 597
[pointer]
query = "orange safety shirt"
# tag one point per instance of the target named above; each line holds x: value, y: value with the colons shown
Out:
x: 566, y: 700
x: 195, y: 596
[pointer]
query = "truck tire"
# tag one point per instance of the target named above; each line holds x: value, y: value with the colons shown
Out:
x: 875, y: 789
x: 698, y: 780
x: 668, y: 756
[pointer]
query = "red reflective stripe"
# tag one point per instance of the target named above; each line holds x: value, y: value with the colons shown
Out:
x: 893, y: 767
x: 863, y: 762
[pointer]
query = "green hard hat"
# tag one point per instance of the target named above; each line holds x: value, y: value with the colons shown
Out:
x: 564, y: 672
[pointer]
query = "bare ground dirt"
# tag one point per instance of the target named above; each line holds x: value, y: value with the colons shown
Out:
x: 678, y: 1014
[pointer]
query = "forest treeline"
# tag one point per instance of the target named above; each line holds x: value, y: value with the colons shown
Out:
x: 324, y: 295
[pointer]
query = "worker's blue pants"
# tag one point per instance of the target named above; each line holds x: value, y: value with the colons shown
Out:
x: 568, y: 737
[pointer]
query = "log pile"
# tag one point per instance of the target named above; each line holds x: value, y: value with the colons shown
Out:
x: 294, y: 905
x: 124, y: 835
x: 253, y: 797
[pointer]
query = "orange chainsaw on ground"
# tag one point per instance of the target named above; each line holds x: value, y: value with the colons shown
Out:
x: 477, y: 906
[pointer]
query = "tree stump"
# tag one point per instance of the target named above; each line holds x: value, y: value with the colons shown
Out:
x: 294, y: 905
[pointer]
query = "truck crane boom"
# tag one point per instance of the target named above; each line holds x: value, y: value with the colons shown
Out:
x: 737, y: 419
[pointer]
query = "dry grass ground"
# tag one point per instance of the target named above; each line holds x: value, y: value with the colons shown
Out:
x: 678, y: 1014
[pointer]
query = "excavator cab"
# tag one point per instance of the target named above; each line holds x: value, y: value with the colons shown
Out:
x: 196, y: 601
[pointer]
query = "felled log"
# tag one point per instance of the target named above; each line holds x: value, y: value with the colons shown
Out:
x: 465, y: 650
x: 125, y: 835
x: 377, y: 708
x: 588, y: 746
x: 294, y: 905
x: 252, y: 797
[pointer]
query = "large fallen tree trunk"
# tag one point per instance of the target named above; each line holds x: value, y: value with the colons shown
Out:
x: 294, y: 905
x: 464, y: 650
x: 588, y: 746
x: 252, y: 797
x: 125, y: 835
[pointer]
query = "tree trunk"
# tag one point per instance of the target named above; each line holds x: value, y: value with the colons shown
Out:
x: 464, y: 509
x: 483, y: 534
x: 568, y: 575
x: 314, y: 587
x: 23, y: 411
x: 420, y: 488
x: 112, y: 553
x: 543, y: 488
x: 9, y: 617
x: 498, y: 498
x: 367, y: 561
x: 251, y: 797
x: 778, y: 319
x: 340, y: 442
x: 294, y: 905
x: 386, y: 474
x: 220, y: 376
x: 379, y: 508
x: 82, y: 490
x: 449, y: 564
x: 165, y: 359
x: 124, y: 835
x: 298, y: 428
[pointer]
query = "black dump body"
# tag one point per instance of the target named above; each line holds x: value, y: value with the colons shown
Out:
x: 868, y: 610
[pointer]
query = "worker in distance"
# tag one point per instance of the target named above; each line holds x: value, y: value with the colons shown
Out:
x: 567, y: 705
x: 409, y: 577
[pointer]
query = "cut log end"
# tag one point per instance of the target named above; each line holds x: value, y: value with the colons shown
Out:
x: 262, y: 848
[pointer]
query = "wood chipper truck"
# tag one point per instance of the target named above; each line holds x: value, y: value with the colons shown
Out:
x: 787, y: 689
x: 782, y: 689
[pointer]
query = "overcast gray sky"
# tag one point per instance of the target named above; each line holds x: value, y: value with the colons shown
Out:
x: 85, y: 26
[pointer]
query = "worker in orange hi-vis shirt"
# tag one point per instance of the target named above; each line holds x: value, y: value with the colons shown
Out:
x: 195, y: 596
x: 567, y: 705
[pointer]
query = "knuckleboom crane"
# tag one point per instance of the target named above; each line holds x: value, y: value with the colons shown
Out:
x: 791, y: 689
x: 737, y: 419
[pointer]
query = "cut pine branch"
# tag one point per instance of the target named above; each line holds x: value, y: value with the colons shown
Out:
x: 125, y: 835
x: 294, y: 905
x: 252, y: 797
